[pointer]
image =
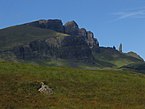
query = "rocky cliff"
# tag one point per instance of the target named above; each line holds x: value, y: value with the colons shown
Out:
x: 46, y: 40
x: 69, y: 48
x: 55, y: 25
x: 70, y: 28
x: 49, y: 39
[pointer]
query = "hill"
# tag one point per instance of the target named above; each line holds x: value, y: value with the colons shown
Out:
x: 73, y: 88
x: 52, y: 43
x: 115, y: 57
x: 139, y: 67
x: 133, y: 54
x: 23, y: 34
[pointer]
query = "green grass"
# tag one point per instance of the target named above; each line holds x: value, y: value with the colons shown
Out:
x: 140, y: 67
x: 109, y: 55
x: 133, y: 54
x: 73, y: 88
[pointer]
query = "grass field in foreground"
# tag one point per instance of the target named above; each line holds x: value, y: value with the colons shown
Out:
x: 73, y: 88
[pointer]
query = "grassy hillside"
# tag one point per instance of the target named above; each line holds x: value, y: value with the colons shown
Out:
x: 133, y: 54
x: 73, y: 88
x: 24, y: 34
x: 115, y: 57
x: 140, y: 67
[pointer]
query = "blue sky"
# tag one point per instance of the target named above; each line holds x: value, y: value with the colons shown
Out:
x: 112, y: 21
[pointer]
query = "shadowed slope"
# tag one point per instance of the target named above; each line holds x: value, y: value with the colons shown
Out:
x: 24, y: 34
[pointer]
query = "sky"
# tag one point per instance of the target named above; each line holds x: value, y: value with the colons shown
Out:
x: 112, y: 21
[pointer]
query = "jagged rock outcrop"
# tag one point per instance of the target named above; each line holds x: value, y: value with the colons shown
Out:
x: 55, y: 25
x: 69, y: 48
x: 75, y: 48
x: 83, y: 33
x: 71, y: 28
x: 34, y: 50
x: 91, y: 41
x: 120, y: 48
x: 88, y: 36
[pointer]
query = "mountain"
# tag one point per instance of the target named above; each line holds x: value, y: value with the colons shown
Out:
x: 50, y: 42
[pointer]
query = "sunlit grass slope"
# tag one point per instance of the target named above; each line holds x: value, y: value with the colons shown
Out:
x: 73, y: 88
x: 115, y: 57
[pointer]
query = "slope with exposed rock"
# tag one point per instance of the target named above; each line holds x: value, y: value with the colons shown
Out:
x: 52, y: 43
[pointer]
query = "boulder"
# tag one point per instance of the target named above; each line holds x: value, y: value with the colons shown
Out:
x: 45, y: 89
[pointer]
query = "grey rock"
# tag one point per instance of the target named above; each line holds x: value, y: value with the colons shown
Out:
x: 91, y: 41
x: 114, y: 47
x: 55, y: 24
x: 45, y: 89
x: 23, y: 52
x: 75, y: 48
x: 120, y: 48
x: 71, y: 28
x: 83, y: 33
x: 71, y: 48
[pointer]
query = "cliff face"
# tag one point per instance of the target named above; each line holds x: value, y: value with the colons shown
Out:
x: 76, y: 45
x: 69, y: 48
x: 55, y: 25
x: 70, y: 28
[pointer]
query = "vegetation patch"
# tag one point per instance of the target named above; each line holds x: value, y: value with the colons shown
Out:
x: 73, y: 88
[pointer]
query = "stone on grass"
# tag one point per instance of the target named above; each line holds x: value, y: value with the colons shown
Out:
x: 45, y: 89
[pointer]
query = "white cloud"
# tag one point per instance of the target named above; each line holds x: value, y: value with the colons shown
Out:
x: 137, y: 13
